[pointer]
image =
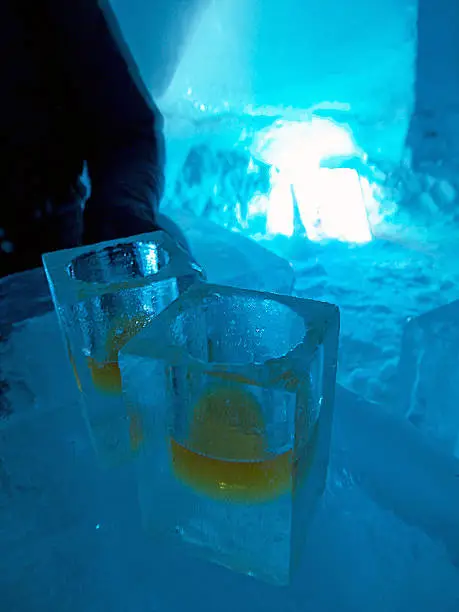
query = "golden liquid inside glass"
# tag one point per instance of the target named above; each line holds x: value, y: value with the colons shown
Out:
x: 106, y: 375
x: 226, y: 456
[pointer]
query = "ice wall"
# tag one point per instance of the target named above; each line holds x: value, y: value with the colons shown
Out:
x: 356, y: 60
x: 434, y: 133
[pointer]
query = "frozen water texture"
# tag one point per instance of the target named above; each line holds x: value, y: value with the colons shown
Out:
x: 386, y: 536
x: 408, y: 268
x: 231, y: 259
x: 266, y: 61
x: 267, y: 65
x: 103, y: 294
x: 402, y: 470
x: 73, y: 539
x: 234, y: 392
x: 371, y: 547
x: 428, y: 374
x: 29, y: 380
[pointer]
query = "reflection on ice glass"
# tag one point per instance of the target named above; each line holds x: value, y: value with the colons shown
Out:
x: 234, y: 392
x: 104, y: 294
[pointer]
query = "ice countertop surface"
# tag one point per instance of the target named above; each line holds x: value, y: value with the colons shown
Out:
x: 386, y: 536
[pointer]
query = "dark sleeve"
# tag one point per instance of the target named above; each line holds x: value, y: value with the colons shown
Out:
x: 121, y: 129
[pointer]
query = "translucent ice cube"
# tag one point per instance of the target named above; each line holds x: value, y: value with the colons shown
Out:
x: 233, y: 394
x: 429, y: 373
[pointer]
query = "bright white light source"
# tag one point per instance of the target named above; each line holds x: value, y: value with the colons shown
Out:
x: 331, y: 205
x: 333, y: 202
x: 293, y: 145
x: 279, y: 217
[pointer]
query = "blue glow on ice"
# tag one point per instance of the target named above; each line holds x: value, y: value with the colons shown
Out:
x: 387, y: 535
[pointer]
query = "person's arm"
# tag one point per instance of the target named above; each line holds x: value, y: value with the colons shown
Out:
x: 121, y: 129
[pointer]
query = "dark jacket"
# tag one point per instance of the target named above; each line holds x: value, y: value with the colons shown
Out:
x: 70, y: 94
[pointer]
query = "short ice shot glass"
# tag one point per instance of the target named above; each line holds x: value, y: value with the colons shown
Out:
x: 234, y: 393
x: 104, y: 294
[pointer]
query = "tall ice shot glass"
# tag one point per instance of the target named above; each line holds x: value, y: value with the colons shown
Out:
x: 104, y: 294
x: 234, y: 394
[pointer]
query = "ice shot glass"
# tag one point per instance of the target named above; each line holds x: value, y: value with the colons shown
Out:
x: 234, y: 392
x: 104, y: 294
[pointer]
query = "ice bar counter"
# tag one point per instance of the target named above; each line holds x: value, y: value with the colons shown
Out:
x: 78, y: 536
